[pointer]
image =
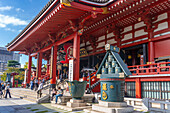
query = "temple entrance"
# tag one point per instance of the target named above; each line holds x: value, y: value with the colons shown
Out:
x: 135, y: 55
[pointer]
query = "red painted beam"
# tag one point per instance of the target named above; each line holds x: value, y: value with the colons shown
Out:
x: 86, y: 8
x: 149, y: 79
x: 155, y: 79
x: 130, y: 80
x: 68, y: 38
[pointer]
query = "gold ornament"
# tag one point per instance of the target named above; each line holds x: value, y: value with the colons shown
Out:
x: 111, y: 86
x: 94, y: 8
x: 104, y: 95
x: 104, y: 87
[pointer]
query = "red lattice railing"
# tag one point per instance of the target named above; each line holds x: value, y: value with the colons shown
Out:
x: 150, y: 69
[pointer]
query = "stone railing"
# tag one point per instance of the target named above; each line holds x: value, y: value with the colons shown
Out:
x: 162, y: 106
x: 146, y: 104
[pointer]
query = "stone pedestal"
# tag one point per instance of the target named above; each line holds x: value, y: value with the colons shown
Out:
x: 112, y: 107
x: 76, y: 103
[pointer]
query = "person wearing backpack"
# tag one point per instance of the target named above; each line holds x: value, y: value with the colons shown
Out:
x: 7, y: 90
x: 59, y: 94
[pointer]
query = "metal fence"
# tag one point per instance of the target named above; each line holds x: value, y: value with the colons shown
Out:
x: 156, y: 90
x: 130, y: 89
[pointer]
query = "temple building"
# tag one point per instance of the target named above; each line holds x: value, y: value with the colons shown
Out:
x: 71, y: 35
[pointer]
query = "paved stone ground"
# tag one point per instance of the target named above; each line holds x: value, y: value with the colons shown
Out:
x: 16, y: 105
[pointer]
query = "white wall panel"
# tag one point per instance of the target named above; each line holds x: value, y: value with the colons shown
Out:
x: 161, y: 26
x: 127, y: 37
x: 101, y: 38
x: 110, y: 35
x: 126, y: 29
x: 140, y: 33
x: 112, y: 41
x: 161, y: 17
x: 101, y: 44
x: 82, y: 44
x: 140, y: 24
x: 89, y: 48
x: 87, y: 43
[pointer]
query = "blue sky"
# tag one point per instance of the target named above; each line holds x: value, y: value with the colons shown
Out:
x: 15, y: 15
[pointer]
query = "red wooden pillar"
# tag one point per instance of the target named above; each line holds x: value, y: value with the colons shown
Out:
x: 53, y: 65
x: 29, y: 69
x: 151, y: 53
x: 76, y: 56
x: 138, y: 88
x: 13, y: 83
x: 48, y: 67
x: 39, y: 65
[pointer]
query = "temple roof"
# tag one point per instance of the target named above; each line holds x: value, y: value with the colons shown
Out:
x: 55, y: 16
x: 39, y: 14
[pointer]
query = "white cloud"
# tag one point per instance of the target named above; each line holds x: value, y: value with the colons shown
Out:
x: 5, y: 20
x: 19, y: 30
x: 5, y: 8
x: 9, y: 29
x: 2, y: 25
x: 19, y: 9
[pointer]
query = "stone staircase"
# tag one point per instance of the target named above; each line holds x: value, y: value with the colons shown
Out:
x: 88, y: 98
x: 26, y: 94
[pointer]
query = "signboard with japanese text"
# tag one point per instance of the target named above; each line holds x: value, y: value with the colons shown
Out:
x: 71, y: 66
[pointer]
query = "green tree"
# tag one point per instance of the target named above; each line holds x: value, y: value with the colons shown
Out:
x: 12, y: 63
x: 19, y: 77
x: 26, y: 65
x: 3, y: 77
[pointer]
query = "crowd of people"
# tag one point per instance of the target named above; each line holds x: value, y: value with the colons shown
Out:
x: 38, y: 87
x: 5, y: 90
x: 34, y: 84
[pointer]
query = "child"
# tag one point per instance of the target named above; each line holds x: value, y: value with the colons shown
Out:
x: 54, y: 93
x: 59, y: 94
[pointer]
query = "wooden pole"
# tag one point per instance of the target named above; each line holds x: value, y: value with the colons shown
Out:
x: 138, y: 88
x: 39, y: 64
x: 53, y: 66
x: 29, y: 68
x: 76, y: 56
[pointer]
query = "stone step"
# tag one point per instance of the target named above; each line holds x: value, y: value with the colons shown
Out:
x: 69, y: 108
x: 29, y: 99
x: 26, y: 95
x: 25, y: 92
x: 100, y: 108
